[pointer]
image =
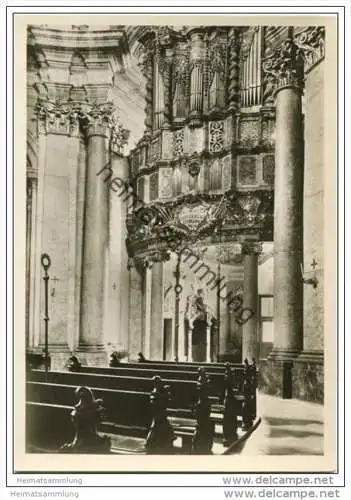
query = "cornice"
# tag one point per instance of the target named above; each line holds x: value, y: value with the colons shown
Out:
x: 72, y: 39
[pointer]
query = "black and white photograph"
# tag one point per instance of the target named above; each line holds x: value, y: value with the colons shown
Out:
x: 177, y: 280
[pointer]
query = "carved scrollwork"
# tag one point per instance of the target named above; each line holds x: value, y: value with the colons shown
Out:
x: 283, y: 67
x: 216, y: 136
x: 250, y: 205
x: 194, y: 165
x: 311, y: 41
x: 163, y: 226
x: 250, y: 210
x: 217, y: 58
x: 181, y: 67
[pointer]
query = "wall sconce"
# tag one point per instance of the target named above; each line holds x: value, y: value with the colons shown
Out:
x: 309, y: 281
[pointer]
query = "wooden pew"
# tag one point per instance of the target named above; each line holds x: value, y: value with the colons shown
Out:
x: 183, y: 391
x: 48, y: 426
x: 216, y: 379
x: 126, y: 413
x: 176, y: 367
x: 127, y: 408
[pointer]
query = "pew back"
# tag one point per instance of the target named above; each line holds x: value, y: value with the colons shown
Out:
x: 177, y: 367
x: 122, y: 407
x: 216, y: 379
x: 183, y: 392
x: 48, y: 425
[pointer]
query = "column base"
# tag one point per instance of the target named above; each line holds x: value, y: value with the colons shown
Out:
x: 276, y: 373
x: 308, y: 376
x: 59, y: 354
x: 284, y: 354
x: 293, y: 374
x: 276, y: 377
x: 92, y: 355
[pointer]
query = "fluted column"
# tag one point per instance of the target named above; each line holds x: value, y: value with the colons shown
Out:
x: 95, y: 238
x: 288, y: 224
x: 249, y: 313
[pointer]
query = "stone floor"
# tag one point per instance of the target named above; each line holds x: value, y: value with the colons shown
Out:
x: 288, y: 427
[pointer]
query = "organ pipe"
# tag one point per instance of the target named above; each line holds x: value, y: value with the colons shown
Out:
x: 259, y: 54
x: 251, y: 73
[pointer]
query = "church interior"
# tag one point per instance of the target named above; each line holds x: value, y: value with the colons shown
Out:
x: 175, y: 200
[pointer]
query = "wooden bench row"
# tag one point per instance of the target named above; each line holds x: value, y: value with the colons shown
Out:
x: 216, y: 378
x: 180, y: 366
x: 128, y: 399
x: 43, y: 434
x: 183, y: 392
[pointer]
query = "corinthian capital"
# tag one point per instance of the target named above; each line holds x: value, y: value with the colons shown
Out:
x: 284, y: 67
x: 102, y: 119
x: 53, y: 117
x: 67, y: 118
x: 251, y: 247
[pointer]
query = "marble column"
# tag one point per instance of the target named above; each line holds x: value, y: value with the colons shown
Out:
x: 224, y: 323
x: 147, y: 311
x: 286, y: 68
x: 247, y: 315
x: 73, y: 147
x: 118, y: 274
x: 95, y: 238
x: 288, y: 209
x: 156, y: 329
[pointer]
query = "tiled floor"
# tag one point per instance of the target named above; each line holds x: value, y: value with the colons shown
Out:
x: 288, y: 427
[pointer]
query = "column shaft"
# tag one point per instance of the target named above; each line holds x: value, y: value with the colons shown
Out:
x: 95, y: 242
x: 146, y: 312
x: 288, y: 285
x: 135, y: 341
x: 249, y: 312
x: 118, y: 274
x: 156, y: 332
